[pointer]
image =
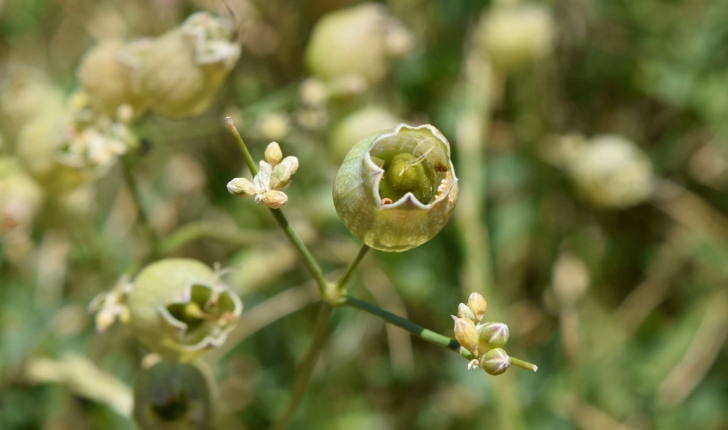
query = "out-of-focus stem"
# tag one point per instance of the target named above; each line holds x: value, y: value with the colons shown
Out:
x: 144, y: 221
x: 208, y: 230
x: 305, y: 369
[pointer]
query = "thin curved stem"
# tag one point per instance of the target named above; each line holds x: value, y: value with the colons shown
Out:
x: 421, y: 332
x: 305, y: 369
x: 308, y: 260
x: 344, y: 278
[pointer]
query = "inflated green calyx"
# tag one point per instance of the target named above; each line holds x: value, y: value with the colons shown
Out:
x: 397, y: 188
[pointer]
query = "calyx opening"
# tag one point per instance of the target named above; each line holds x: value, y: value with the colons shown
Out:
x: 414, y: 161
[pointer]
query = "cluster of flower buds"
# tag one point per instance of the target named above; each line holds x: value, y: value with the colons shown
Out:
x: 484, y: 340
x: 177, y: 75
x: 61, y: 150
x: 273, y: 177
x: 111, y: 306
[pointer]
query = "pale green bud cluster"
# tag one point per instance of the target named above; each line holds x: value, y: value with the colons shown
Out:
x: 274, y: 176
x: 482, y: 339
x: 397, y: 189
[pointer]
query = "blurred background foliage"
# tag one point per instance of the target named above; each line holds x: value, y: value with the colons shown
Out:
x: 625, y: 310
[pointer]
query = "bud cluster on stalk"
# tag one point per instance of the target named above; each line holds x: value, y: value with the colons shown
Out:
x: 273, y: 177
x: 484, y: 340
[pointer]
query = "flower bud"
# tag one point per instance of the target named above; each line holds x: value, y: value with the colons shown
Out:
x: 274, y: 199
x: 282, y: 172
x: 465, y: 312
x: 184, y: 69
x: 273, y: 154
x: 180, y: 309
x: 105, y: 74
x: 350, y: 41
x: 612, y: 171
x: 514, y: 36
x: 358, y: 125
x: 492, y: 335
x: 172, y: 395
x: 397, y: 189
x: 477, y: 304
x: 495, y: 361
x: 241, y: 187
x: 466, y: 334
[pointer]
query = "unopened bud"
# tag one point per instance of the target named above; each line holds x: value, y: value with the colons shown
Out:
x: 273, y: 154
x: 274, y: 199
x: 466, y: 334
x: 492, y: 335
x: 281, y: 175
x: 478, y: 305
x: 241, y: 187
x: 465, y: 312
x: 495, y: 361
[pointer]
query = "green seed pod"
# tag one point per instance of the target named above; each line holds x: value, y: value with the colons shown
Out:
x: 106, y: 75
x: 172, y: 396
x: 348, y: 42
x: 397, y: 189
x: 514, y: 36
x: 358, y: 125
x: 184, y: 69
x: 180, y: 309
x: 495, y: 362
x: 612, y: 171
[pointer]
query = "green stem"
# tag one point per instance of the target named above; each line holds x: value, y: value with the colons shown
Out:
x: 344, y: 278
x: 421, y: 332
x: 523, y: 364
x: 144, y: 221
x: 244, y: 149
x: 305, y: 369
x: 308, y: 260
